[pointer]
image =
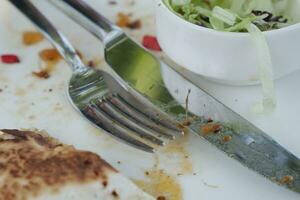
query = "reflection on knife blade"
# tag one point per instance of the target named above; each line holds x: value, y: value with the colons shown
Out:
x: 234, y: 135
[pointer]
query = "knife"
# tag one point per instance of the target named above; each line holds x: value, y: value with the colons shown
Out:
x: 217, y: 123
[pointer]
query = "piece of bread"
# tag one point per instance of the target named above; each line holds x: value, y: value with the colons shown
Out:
x: 37, y: 167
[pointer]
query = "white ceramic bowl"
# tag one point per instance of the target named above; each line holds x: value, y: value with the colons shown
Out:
x: 222, y: 56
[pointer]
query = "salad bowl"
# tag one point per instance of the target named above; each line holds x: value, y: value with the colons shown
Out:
x: 226, y: 57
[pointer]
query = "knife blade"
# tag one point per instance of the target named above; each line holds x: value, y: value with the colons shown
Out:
x: 238, y: 138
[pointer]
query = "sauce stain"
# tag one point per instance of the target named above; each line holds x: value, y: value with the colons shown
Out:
x: 176, y: 159
x: 160, y: 184
x: 176, y: 152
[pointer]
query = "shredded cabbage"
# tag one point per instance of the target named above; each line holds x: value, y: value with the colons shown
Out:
x: 265, y: 70
x: 253, y: 16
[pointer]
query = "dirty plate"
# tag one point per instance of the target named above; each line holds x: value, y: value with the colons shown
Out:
x: 188, y: 169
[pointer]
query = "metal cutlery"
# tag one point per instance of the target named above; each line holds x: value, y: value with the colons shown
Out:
x: 135, y: 90
x: 105, y: 100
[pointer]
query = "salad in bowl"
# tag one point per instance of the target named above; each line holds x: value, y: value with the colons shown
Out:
x: 239, y: 42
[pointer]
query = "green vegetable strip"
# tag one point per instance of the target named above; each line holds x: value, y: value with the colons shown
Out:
x: 265, y: 67
x: 203, y: 11
x: 225, y: 16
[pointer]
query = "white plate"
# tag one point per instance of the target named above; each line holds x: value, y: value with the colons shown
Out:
x: 26, y: 102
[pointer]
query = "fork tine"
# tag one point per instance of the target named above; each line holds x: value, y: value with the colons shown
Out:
x: 161, y: 121
x: 115, y: 129
x: 123, y: 121
x: 130, y: 123
x: 144, y: 122
x: 142, y: 118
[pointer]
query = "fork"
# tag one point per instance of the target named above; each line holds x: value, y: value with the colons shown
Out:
x: 103, y: 97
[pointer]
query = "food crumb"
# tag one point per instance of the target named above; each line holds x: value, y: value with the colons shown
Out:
x: 124, y: 21
x: 210, y: 128
x: 112, y: 2
x: 104, y: 183
x: 186, y: 123
x: 32, y: 37
x: 136, y: 24
x: 91, y: 64
x: 161, y: 198
x: 227, y: 138
x: 43, y: 74
x: 114, y: 193
x: 50, y: 55
x: 79, y: 54
x: 209, y: 120
x: 286, y: 179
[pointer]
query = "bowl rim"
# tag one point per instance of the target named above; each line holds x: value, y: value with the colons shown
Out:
x: 232, y: 34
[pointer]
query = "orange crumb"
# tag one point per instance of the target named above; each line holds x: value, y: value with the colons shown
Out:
x: 32, y: 37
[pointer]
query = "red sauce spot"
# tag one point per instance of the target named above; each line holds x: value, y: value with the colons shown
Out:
x: 150, y: 42
x: 10, y: 58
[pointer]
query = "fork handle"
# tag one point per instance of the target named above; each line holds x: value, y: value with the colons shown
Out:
x: 85, y: 15
x: 51, y: 33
